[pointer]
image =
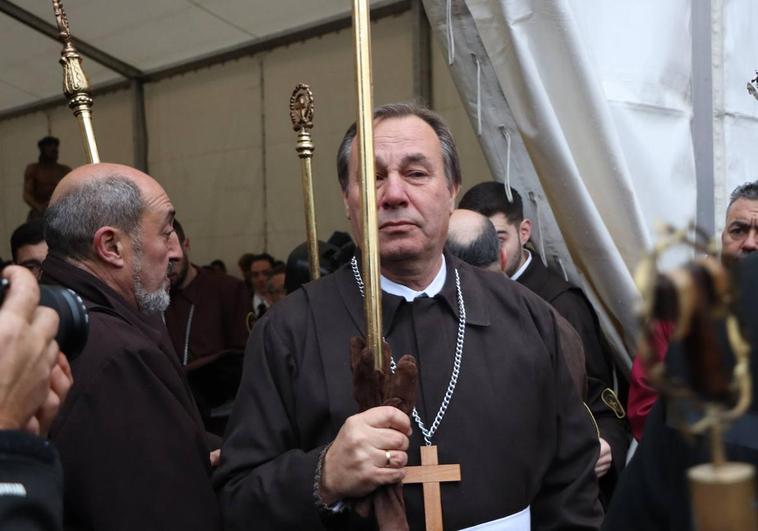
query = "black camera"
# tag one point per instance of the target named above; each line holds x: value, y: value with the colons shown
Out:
x: 74, y: 319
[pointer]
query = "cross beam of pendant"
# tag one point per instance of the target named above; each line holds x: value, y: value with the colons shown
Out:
x: 430, y: 474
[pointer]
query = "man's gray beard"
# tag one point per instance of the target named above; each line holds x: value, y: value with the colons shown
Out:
x: 148, y: 302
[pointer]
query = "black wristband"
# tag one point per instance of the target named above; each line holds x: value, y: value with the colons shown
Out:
x: 334, y: 508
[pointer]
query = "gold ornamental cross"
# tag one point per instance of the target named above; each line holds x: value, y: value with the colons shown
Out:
x: 430, y: 474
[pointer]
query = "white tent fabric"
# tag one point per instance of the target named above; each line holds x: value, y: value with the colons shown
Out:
x: 736, y: 114
x: 586, y: 107
x: 540, y: 86
x: 596, y: 101
x: 147, y: 34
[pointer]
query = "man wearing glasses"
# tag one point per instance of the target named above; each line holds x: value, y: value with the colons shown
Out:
x: 28, y: 246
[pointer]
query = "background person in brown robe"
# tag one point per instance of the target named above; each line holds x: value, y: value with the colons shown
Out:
x: 472, y: 238
x: 527, y: 268
x: 41, y: 177
x: 515, y: 423
x: 130, y: 438
x: 207, y: 321
x: 208, y: 311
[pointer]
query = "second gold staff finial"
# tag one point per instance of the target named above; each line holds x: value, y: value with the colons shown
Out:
x: 301, y: 114
x: 75, y: 84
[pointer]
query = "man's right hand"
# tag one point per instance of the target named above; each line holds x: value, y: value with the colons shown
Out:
x: 356, y: 462
x: 28, y: 351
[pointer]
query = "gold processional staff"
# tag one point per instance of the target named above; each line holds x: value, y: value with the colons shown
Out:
x: 372, y: 302
x: 301, y: 114
x: 75, y: 84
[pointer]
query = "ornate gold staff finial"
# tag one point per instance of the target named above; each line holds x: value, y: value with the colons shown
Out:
x: 75, y: 84
x: 301, y: 114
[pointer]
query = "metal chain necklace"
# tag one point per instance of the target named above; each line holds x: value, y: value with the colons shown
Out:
x: 429, y: 433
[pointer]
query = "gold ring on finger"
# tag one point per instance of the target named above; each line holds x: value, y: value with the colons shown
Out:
x: 388, y: 455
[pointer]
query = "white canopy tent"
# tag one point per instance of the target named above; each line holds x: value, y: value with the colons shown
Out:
x: 141, y: 38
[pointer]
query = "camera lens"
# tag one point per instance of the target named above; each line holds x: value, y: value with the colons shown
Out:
x: 74, y: 319
x: 72, y: 315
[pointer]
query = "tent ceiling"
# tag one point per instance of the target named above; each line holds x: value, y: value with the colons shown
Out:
x: 147, y: 34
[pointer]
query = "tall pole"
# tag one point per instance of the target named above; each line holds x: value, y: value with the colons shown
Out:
x: 75, y: 84
x: 372, y: 302
x: 301, y: 114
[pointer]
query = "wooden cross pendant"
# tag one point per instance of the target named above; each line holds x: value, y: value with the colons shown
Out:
x: 430, y: 474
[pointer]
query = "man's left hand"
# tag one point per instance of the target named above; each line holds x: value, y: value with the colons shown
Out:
x: 215, y: 457
x: 604, y: 460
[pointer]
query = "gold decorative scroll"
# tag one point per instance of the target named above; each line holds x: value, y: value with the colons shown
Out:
x: 75, y: 84
x: 372, y: 302
x: 301, y: 114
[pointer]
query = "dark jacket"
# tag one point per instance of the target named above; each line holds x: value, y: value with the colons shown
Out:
x: 572, y: 304
x: 31, y: 483
x: 130, y: 438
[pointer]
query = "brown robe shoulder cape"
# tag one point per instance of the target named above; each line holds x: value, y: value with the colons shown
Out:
x: 130, y: 439
x: 571, y: 303
x: 515, y: 423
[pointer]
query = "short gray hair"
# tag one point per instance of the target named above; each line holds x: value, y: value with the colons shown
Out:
x: 401, y: 110
x: 744, y: 191
x: 72, y: 221
x: 482, y: 250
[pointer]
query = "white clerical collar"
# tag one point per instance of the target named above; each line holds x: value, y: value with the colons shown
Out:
x: 393, y: 288
x: 520, y: 270
x: 258, y: 300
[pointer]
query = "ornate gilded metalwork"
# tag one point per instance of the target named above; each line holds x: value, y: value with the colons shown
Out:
x: 301, y: 108
x: 301, y: 114
x: 75, y: 84
x: 372, y: 302
x: 722, y: 492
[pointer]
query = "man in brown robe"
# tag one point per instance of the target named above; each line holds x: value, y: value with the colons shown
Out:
x: 526, y: 268
x: 41, y: 177
x: 208, y: 324
x: 209, y: 311
x: 472, y: 238
x: 132, y: 445
x: 296, y: 453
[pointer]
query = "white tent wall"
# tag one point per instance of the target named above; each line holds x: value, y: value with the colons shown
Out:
x: 204, y: 147
x: 221, y: 143
x: 736, y: 114
x: 598, y: 99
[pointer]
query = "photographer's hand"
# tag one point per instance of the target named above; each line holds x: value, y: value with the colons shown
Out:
x: 61, y: 381
x: 28, y: 351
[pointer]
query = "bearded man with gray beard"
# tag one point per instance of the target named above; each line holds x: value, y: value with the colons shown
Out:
x: 133, y: 448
